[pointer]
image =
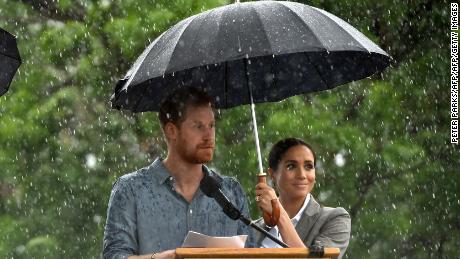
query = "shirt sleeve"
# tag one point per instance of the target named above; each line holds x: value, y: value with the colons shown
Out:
x: 120, y: 230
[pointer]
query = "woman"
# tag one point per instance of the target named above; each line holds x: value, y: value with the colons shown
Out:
x: 303, y: 222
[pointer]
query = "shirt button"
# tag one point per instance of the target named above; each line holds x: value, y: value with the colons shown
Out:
x: 190, y: 211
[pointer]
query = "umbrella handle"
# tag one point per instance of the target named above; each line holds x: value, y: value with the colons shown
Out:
x: 270, y: 220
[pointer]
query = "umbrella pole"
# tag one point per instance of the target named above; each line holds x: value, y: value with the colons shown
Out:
x: 270, y: 219
x: 256, y: 133
x: 261, y: 173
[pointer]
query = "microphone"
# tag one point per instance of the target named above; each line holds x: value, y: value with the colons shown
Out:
x: 211, y: 188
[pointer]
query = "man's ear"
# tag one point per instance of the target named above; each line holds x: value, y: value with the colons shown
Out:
x: 170, y: 131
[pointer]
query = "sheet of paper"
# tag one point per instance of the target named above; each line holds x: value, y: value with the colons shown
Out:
x: 195, y: 239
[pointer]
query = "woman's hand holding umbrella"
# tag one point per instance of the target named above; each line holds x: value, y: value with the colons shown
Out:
x: 265, y: 198
x: 272, y: 214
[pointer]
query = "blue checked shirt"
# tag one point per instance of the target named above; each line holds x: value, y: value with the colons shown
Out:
x: 146, y: 215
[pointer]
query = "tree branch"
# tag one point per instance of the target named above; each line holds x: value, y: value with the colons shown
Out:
x: 369, y: 180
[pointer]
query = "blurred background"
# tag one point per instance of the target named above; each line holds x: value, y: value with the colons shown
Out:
x: 383, y: 143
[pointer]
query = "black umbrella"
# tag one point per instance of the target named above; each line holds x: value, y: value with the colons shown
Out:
x: 247, y: 53
x: 9, y: 60
x: 279, y: 49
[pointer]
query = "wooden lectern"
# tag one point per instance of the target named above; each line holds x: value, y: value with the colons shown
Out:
x: 259, y: 253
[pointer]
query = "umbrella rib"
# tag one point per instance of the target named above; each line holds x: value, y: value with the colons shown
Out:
x: 263, y: 27
x: 302, y: 23
x: 138, y: 63
x: 171, y: 39
x: 183, y: 31
x: 9, y: 56
x: 342, y: 29
x: 314, y: 66
x: 304, y: 52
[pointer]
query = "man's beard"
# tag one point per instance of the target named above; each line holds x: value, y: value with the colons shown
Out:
x: 196, y: 155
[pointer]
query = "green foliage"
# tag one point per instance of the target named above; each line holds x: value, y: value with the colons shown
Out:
x: 62, y: 147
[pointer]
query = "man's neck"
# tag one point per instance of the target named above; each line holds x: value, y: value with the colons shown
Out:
x: 187, y: 176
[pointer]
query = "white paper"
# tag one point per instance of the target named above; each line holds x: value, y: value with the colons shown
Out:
x: 195, y: 239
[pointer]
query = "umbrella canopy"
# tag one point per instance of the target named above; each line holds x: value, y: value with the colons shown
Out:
x: 270, y: 49
x: 9, y: 60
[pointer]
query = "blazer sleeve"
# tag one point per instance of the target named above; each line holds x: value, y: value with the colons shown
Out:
x: 335, y: 232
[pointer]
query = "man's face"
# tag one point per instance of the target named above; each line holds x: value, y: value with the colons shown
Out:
x: 196, y: 135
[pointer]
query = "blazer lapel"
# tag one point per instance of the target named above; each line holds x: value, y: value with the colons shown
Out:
x: 308, y: 219
x: 303, y: 228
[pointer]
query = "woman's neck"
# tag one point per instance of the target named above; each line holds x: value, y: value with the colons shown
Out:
x: 292, y: 206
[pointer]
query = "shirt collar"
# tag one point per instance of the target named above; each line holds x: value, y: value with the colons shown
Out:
x: 297, y: 217
x: 161, y: 174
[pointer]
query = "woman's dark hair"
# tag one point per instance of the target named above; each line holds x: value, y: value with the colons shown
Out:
x: 279, y: 149
x: 174, y: 106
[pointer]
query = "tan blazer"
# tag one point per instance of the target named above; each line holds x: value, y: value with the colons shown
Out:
x: 329, y: 226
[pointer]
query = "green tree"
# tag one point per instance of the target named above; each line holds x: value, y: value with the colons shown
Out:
x: 62, y: 147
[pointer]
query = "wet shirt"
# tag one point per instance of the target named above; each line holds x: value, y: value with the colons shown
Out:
x: 145, y: 214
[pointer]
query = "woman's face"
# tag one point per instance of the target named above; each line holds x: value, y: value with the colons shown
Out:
x: 295, y: 175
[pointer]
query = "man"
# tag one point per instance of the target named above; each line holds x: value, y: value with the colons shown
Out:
x: 151, y: 210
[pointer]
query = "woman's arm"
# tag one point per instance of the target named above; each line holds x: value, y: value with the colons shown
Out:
x: 266, y: 194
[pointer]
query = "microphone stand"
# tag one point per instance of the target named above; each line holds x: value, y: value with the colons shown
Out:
x: 211, y: 188
x: 265, y: 232
x: 316, y: 250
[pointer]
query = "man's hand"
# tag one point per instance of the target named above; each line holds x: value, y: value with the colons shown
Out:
x: 167, y: 254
